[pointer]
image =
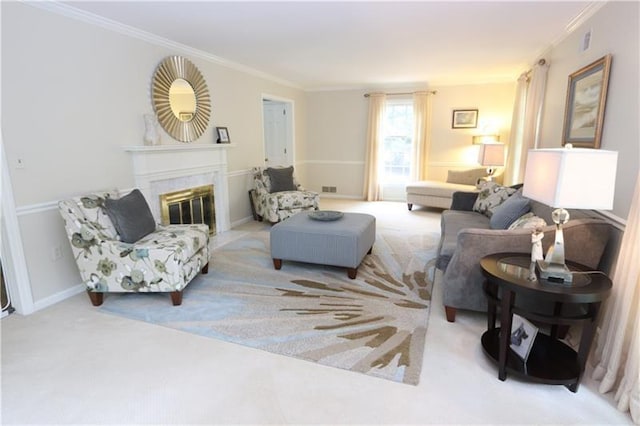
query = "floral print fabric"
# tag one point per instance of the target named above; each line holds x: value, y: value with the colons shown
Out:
x: 163, y: 261
x: 278, y: 206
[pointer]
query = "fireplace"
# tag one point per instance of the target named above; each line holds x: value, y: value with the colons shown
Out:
x: 165, y: 169
x: 193, y: 205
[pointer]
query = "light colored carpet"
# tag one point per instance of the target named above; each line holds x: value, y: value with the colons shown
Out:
x: 375, y: 324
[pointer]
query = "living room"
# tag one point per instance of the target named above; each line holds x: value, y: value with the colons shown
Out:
x: 87, y: 81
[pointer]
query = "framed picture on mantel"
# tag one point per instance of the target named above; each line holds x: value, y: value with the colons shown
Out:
x: 223, y: 135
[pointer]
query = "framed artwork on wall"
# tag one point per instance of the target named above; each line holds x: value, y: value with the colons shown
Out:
x: 464, y: 119
x: 223, y: 135
x: 586, y: 99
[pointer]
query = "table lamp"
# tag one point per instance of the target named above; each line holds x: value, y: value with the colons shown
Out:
x: 491, y: 155
x: 568, y: 178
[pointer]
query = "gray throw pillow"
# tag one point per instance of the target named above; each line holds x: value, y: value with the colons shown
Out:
x: 281, y: 179
x: 131, y: 216
x: 509, y: 211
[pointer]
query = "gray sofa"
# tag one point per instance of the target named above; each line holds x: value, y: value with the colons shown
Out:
x: 467, y: 237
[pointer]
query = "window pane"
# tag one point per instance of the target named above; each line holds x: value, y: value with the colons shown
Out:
x: 397, y: 142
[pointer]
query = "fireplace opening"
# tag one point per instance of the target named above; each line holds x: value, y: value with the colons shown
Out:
x: 189, y: 206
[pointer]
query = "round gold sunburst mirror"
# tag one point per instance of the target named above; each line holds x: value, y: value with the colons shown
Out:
x: 180, y: 98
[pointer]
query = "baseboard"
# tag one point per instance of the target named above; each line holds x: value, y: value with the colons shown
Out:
x: 342, y: 197
x: 59, y: 297
x: 241, y: 221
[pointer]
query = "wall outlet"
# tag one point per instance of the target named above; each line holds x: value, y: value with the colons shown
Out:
x: 20, y: 163
x: 56, y: 253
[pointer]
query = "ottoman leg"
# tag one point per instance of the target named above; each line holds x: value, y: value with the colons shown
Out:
x: 277, y: 264
x: 352, y: 272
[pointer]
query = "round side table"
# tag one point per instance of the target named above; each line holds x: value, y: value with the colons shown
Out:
x: 510, y: 280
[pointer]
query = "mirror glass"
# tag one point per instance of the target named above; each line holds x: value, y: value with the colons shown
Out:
x: 182, y: 99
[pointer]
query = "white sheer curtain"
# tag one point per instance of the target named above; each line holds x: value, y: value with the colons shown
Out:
x: 421, y: 136
x: 372, y: 191
x: 618, y: 349
x: 525, y: 126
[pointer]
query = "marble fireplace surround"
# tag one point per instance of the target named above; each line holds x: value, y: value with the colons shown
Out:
x: 166, y: 168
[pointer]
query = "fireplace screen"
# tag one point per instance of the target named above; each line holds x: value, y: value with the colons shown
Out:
x: 188, y: 206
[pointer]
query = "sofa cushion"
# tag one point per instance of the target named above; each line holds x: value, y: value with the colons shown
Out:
x: 451, y: 222
x: 466, y: 177
x: 510, y: 210
x: 491, y: 195
x: 281, y: 179
x: 131, y: 216
x: 528, y: 221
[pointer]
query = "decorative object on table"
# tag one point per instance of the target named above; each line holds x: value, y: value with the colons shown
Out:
x: 151, y: 131
x: 523, y: 336
x: 464, y: 119
x: 491, y: 155
x: 536, y: 251
x: 586, y: 99
x: 223, y: 135
x: 536, y: 245
x: 302, y: 312
x: 180, y: 99
x: 325, y: 215
x: 568, y: 178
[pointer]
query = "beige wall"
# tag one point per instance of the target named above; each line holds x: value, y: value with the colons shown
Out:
x: 614, y: 30
x: 73, y: 94
x: 337, y: 123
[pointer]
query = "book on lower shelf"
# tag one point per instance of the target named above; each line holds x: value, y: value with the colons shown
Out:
x: 523, y: 335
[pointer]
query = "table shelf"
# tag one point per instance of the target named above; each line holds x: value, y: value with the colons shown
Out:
x: 550, y: 361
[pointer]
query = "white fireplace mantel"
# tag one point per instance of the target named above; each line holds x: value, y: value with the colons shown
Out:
x: 166, y: 168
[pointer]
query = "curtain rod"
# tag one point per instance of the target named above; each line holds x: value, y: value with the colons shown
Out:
x: 431, y: 92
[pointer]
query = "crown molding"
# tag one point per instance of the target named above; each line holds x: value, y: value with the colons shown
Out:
x: 111, y: 25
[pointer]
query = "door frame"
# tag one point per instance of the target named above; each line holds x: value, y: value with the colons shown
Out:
x: 289, y: 106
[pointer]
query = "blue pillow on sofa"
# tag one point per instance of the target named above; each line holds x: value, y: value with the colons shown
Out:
x: 510, y: 210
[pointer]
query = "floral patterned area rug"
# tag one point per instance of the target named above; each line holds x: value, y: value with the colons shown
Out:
x: 374, y: 324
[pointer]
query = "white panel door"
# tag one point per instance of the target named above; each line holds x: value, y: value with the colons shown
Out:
x: 276, y: 134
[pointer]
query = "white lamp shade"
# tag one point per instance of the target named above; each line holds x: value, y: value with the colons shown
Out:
x: 571, y: 178
x: 491, y: 154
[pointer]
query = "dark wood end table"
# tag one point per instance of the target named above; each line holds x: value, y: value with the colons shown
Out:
x: 550, y: 361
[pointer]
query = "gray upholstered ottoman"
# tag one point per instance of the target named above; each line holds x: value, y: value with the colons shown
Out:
x: 343, y: 242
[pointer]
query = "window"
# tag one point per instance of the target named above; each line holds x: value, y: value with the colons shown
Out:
x: 396, y: 146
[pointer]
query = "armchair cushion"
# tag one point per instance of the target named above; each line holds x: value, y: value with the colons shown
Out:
x: 466, y: 177
x: 131, y: 216
x: 281, y: 179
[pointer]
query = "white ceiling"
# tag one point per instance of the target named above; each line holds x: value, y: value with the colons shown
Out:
x: 364, y: 44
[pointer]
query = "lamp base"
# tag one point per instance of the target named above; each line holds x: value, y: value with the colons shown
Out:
x: 554, y: 272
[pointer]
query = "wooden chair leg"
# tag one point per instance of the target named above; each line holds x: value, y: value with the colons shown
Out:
x: 176, y: 298
x: 96, y: 298
x: 277, y: 264
x: 205, y: 268
x: 352, y: 273
x: 450, y: 313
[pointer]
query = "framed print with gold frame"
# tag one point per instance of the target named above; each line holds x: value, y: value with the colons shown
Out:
x: 585, y: 105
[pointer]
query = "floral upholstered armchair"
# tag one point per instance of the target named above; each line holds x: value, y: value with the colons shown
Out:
x: 164, y: 260
x: 277, y: 194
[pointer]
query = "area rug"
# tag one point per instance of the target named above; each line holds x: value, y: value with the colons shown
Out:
x: 374, y: 324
